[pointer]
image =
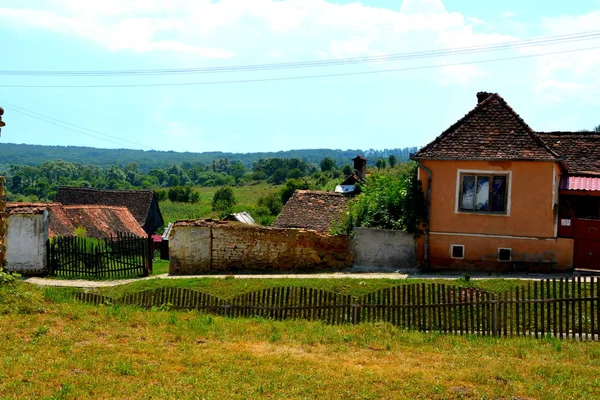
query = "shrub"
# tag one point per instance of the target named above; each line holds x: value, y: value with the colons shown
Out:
x: 223, y: 199
x: 387, y: 202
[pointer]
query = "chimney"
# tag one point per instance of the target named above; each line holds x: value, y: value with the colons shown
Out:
x: 360, y: 166
x: 481, y: 96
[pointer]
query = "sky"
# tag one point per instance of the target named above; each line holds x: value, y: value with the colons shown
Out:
x: 365, y: 108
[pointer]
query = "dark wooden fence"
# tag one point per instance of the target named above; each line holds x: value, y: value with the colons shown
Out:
x: 124, y: 255
x: 563, y: 308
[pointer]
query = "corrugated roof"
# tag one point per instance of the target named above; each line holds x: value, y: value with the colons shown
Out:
x: 580, y: 149
x: 243, y: 217
x: 491, y: 131
x: 312, y: 209
x: 587, y: 183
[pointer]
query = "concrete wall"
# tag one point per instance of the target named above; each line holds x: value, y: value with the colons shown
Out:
x: 201, y: 247
x: 382, y: 249
x: 26, y: 237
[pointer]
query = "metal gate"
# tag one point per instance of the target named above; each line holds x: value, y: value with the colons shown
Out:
x: 587, y: 244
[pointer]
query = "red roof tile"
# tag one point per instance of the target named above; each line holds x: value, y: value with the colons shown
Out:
x: 312, y: 209
x: 98, y: 221
x: 491, y: 131
x: 588, y: 183
x: 580, y: 149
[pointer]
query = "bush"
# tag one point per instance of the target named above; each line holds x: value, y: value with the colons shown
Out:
x: 7, y: 278
x: 223, y: 199
x: 180, y: 194
x: 291, y: 186
x: 387, y: 202
x: 272, y: 202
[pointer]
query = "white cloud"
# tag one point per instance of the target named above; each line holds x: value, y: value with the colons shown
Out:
x: 249, y: 30
x: 460, y: 74
x: 570, y: 76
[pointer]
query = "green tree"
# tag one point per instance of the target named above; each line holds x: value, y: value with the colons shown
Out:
x: 392, y: 160
x: 291, y: 186
x: 597, y: 128
x: 388, y: 202
x: 347, y: 169
x: 271, y: 202
x: 328, y: 164
x: 381, y: 163
x: 223, y: 199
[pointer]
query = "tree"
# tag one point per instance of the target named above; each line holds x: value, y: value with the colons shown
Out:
x: 291, y: 186
x: 223, y: 199
x: 347, y: 169
x: 597, y: 128
x: 381, y: 163
x: 392, y: 160
x: 328, y: 164
x: 388, y: 202
x: 271, y: 202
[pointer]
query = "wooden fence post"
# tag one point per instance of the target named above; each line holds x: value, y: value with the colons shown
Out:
x: 494, y: 302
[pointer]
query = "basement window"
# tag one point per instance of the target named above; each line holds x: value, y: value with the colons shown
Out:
x: 482, y: 193
x: 504, y: 254
x: 457, y: 251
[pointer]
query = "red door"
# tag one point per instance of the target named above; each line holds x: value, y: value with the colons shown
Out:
x: 587, y: 244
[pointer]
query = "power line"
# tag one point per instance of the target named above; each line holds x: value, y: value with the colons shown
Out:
x: 77, y: 128
x: 134, y: 85
x: 512, y: 45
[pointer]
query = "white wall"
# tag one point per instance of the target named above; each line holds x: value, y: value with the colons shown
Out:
x: 383, y: 250
x: 26, y: 237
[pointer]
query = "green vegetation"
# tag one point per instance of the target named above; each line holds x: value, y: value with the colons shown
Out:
x: 56, y: 348
x: 388, y: 202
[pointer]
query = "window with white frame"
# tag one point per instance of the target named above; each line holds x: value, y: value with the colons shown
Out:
x: 483, y: 193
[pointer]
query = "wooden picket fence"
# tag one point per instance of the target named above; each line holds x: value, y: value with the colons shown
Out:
x: 121, y: 256
x: 562, y: 308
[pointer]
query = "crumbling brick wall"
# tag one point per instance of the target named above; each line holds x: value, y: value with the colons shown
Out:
x: 206, y: 246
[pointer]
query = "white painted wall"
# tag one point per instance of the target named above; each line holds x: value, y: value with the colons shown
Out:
x: 383, y: 250
x: 26, y: 237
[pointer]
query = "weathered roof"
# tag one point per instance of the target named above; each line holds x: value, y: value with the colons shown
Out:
x: 312, y: 209
x: 98, y: 221
x: 491, y: 131
x: 27, y: 208
x: 137, y: 201
x: 580, y: 149
x: 243, y: 217
x: 352, y: 179
x: 586, y: 183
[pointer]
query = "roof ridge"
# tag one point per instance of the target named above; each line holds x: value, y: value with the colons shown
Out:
x: 492, y: 96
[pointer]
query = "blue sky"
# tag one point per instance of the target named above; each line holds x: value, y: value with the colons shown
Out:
x: 383, y: 110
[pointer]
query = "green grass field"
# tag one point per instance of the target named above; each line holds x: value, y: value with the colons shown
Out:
x: 55, y: 348
x: 247, y: 197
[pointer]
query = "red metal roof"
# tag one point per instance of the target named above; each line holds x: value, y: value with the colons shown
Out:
x: 590, y: 183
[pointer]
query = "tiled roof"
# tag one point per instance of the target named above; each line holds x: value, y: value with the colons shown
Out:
x: 491, y: 131
x: 311, y: 209
x: 98, y: 221
x: 137, y: 201
x: 580, y: 149
x: 352, y: 179
x: 587, y: 183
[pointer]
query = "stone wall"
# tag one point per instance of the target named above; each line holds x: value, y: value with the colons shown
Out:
x: 26, y: 238
x: 205, y: 246
x: 383, y: 249
x: 3, y: 217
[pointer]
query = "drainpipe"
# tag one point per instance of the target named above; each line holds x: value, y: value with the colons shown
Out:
x: 429, y: 173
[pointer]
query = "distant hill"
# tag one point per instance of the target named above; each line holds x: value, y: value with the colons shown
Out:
x: 26, y: 154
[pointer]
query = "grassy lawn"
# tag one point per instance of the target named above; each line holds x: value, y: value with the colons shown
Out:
x: 60, y: 349
x: 247, y: 197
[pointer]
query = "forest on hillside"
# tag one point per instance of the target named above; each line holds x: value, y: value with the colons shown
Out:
x: 35, y: 155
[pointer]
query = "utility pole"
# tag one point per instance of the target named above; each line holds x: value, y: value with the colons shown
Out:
x: 3, y: 216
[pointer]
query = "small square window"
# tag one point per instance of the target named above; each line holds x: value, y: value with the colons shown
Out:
x: 457, y: 251
x: 504, y: 254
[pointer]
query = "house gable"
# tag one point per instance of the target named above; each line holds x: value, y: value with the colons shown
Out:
x: 491, y: 131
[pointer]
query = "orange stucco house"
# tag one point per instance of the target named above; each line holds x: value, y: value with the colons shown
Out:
x: 503, y: 197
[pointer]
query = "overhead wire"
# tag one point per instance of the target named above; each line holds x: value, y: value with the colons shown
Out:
x: 536, y: 42
x: 301, y: 77
x: 70, y: 126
